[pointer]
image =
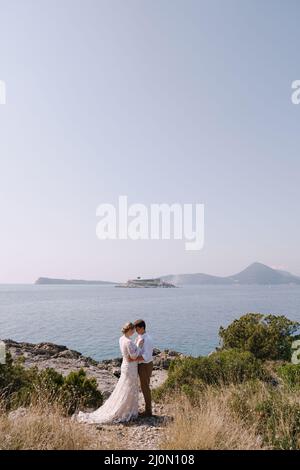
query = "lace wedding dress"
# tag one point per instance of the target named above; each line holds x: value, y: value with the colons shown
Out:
x: 122, y: 405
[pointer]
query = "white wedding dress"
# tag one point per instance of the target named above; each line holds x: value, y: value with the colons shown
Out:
x: 122, y: 405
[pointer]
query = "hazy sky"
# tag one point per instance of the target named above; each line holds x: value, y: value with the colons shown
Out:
x: 163, y: 101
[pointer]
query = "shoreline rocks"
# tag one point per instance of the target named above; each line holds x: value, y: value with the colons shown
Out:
x: 64, y: 360
x: 143, y: 433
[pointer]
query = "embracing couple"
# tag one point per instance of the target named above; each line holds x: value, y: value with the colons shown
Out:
x: 122, y: 405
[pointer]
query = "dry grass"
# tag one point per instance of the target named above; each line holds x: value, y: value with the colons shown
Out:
x: 209, y: 424
x: 47, y: 429
x: 251, y: 415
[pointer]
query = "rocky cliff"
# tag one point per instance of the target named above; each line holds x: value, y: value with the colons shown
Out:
x: 64, y: 360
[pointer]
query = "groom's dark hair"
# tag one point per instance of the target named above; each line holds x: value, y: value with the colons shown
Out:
x: 140, y: 324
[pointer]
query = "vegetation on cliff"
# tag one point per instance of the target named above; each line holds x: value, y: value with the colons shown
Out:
x: 245, y: 395
x: 23, y: 387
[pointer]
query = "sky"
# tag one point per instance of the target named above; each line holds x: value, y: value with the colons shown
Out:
x: 163, y: 101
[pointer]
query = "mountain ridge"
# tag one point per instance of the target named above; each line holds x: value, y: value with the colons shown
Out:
x: 256, y: 274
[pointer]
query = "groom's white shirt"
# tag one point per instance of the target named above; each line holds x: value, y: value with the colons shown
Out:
x: 147, y: 349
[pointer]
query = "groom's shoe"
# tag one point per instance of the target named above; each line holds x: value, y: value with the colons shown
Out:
x: 145, y: 414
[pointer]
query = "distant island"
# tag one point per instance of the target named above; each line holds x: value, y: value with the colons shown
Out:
x: 49, y: 280
x: 146, y: 283
x: 256, y: 274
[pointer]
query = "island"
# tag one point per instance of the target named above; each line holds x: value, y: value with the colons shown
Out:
x: 48, y: 280
x: 146, y: 283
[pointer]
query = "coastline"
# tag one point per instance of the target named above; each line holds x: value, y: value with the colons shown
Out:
x: 144, y: 433
x: 64, y: 360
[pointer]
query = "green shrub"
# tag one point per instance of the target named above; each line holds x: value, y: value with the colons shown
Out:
x: 79, y: 391
x: 244, y: 398
x: 266, y: 336
x: 14, y: 378
x: 290, y: 374
x: 189, y: 375
x: 279, y: 422
x: 273, y: 411
x: 22, y: 387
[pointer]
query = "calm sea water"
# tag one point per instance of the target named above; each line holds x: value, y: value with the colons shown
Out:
x: 89, y: 318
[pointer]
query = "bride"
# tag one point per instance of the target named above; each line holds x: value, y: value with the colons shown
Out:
x: 122, y: 405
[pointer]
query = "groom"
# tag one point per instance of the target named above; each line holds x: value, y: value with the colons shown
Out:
x: 145, y: 365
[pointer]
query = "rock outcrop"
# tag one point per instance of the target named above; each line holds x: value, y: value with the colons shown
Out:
x: 64, y: 360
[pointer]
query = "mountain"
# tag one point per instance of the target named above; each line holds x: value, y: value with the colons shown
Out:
x: 48, y: 280
x: 256, y: 273
x: 198, y: 278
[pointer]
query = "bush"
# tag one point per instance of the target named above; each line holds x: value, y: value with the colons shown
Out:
x: 265, y: 336
x: 22, y: 387
x: 79, y: 391
x: 189, y: 375
x: 274, y: 411
x: 290, y: 374
x: 279, y: 422
x: 14, y: 379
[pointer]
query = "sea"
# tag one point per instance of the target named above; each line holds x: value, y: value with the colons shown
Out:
x: 89, y: 318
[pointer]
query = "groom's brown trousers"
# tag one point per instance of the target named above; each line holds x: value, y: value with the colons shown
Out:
x: 145, y: 371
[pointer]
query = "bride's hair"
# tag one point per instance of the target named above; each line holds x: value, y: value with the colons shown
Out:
x: 127, y: 327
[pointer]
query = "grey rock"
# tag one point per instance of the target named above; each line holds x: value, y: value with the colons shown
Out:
x: 117, y: 362
x: 64, y: 360
x: 173, y: 353
x: 68, y: 353
x: 18, y: 413
x: 117, y: 372
x: 165, y: 363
